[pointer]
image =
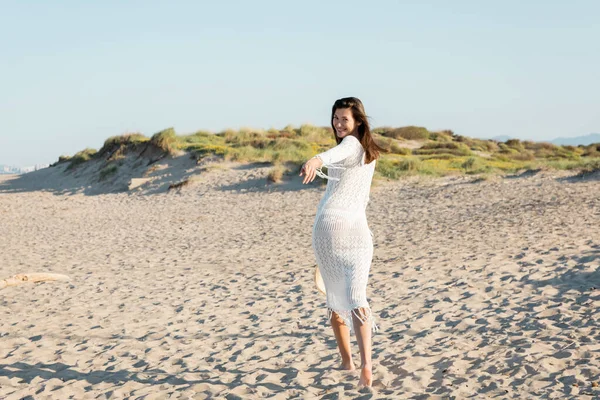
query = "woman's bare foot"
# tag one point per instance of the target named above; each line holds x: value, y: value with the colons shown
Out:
x: 366, y: 376
x: 347, y: 366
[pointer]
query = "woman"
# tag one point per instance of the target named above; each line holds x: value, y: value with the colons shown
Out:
x: 342, y: 241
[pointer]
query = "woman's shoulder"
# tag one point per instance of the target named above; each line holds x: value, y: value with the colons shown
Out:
x: 350, y: 138
x: 353, y: 142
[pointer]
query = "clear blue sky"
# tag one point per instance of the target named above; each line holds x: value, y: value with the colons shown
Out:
x: 74, y: 73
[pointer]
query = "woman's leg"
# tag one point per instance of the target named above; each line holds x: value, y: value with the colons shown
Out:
x: 362, y: 327
x: 342, y: 337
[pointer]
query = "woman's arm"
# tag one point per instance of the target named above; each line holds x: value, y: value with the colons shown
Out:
x: 349, y: 146
x: 309, y: 169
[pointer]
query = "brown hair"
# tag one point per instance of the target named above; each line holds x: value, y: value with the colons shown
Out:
x: 364, y: 130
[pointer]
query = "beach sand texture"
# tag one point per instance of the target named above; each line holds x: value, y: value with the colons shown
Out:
x: 481, y: 290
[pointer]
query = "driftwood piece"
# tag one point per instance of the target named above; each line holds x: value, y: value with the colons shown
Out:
x: 33, y: 277
x: 137, y: 182
x: 179, y: 185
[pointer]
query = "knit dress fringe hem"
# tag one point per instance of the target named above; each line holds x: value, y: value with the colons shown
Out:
x: 346, y: 316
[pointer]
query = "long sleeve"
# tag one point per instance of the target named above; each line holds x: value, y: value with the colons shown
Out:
x: 349, y: 146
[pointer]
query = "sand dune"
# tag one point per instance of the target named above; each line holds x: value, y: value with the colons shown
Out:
x: 481, y: 290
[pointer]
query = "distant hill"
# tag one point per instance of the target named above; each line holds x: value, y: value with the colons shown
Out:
x: 578, y: 140
x: 561, y: 141
x: 501, y: 138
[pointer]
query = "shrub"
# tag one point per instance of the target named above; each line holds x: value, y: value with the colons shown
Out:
x: 202, y: 134
x: 61, y: 160
x: 592, y: 150
x: 501, y: 158
x: 410, y: 164
x: 289, y: 130
x: 457, y: 149
x: 439, y: 167
x: 108, y: 171
x: 529, y: 145
x: 449, y: 145
x: 284, y: 143
x: 467, y: 165
x: 409, y: 133
x: 478, y: 144
x: 314, y: 134
x: 482, y: 145
x: 387, y: 168
x: 275, y: 134
x: 308, y: 130
x: 515, y: 144
x: 505, y: 149
x: 165, y: 140
x: 202, y: 150
x: 590, y: 167
x: 389, y: 145
x: 474, y: 165
x: 524, y: 155
x: 384, y: 143
x: 441, y: 136
x: 119, y: 153
x: 245, y: 153
x: 276, y: 174
x: 81, y: 157
x: 117, y: 146
x: 128, y: 138
x: 290, y: 154
x: 584, y: 166
x: 395, y: 148
x: 382, y: 130
x: 442, y: 156
x: 490, y: 146
x: 198, y: 139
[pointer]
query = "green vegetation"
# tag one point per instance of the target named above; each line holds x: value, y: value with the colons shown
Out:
x: 108, y: 171
x: 116, y: 147
x: 439, y: 148
x: 290, y: 144
x: 276, y: 174
x: 166, y: 140
x: 407, y: 151
x: 129, y: 138
x: 590, y: 166
x: 81, y: 157
x: 407, y: 133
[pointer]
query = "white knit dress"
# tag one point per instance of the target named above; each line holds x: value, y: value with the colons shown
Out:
x: 341, y: 240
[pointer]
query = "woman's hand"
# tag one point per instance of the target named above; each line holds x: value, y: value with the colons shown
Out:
x: 309, y: 169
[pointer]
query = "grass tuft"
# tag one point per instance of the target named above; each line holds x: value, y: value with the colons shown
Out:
x: 81, y: 157
x: 276, y: 174
x: 108, y: 171
x: 166, y: 140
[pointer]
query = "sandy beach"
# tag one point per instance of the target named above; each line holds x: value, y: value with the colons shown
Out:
x: 481, y: 289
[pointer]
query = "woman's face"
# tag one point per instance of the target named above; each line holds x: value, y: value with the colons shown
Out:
x: 344, y: 122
